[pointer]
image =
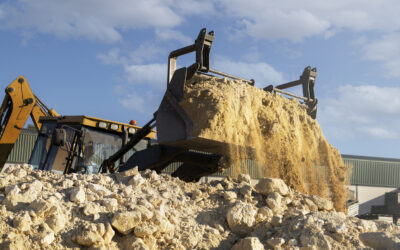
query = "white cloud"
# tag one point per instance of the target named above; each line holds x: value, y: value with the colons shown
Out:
x: 385, y: 49
x: 145, y: 52
x: 2, y: 12
x: 297, y: 20
x: 93, y: 19
x: 154, y: 75
x: 112, y: 57
x: 261, y: 72
x: 144, y: 103
x: 174, y: 35
x: 360, y: 111
x: 295, y: 25
x: 144, y: 88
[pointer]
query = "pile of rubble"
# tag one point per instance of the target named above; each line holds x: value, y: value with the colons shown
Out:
x: 133, y: 210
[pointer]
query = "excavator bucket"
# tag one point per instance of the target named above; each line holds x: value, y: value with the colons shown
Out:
x: 174, y: 126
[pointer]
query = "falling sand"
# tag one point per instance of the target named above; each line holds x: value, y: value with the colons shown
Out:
x: 285, y: 141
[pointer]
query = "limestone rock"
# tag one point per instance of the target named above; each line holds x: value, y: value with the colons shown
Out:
x: 230, y: 195
x: 48, y: 238
x: 57, y: 222
x: 77, y: 195
x: 248, y: 243
x: 111, y: 204
x: 136, y: 180
x: 367, y: 226
x: 380, y: 240
x: 99, y: 189
x: 244, y: 178
x: 108, y: 234
x: 135, y: 243
x: 89, y: 235
x: 275, y: 242
x: 125, y: 176
x: 241, y: 218
x: 22, y: 223
x: 268, y: 185
x: 322, y: 203
x: 145, y: 230
x: 124, y: 222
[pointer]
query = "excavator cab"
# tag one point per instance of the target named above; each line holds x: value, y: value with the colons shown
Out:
x: 79, y: 144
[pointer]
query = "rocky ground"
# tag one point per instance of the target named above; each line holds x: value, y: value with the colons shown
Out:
x: 131, y: 210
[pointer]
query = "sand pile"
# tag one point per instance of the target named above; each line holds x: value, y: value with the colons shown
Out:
x: 131, y: 210
x: 287, y: 143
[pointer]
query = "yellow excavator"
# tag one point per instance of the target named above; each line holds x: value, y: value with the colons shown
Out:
x: 19, y: 103
x: 65, y: 144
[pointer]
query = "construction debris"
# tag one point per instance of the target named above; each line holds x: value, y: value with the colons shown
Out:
x: 110, y: 211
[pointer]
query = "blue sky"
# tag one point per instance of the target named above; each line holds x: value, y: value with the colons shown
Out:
x: 108, y: 59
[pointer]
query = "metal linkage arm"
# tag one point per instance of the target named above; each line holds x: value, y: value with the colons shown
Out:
x: 135, y: 139
x: 202, y: 47
x: 307, y: 80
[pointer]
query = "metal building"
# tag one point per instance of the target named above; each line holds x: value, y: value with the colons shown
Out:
x: 373, y: 171
x: 23, y: 147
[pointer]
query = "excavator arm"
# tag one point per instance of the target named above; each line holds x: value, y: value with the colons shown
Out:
x: 19, y: 103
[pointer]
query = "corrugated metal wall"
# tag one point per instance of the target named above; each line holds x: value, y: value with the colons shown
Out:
x: 23, y: 147
x: 366, y: 171
x: 374, y: 171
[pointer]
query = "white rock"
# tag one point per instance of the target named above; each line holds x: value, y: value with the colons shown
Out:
x: 48, y: 238
x: 22, y: 223
x: 99, y: 189
x: 275, y: 242
x: 241, y: 218
x: 12, y: 188
x: 77, y: 195
x: 268, y: 185
x: 57, y: 222
x: 111, y: 204
x: 143, y: 230
x: 36, y: 186
x: 67, y: 183
x: 248, y: 243
x: 89, y: 236
x: 292, y: 242
x: 136, y: 180
x: 380, y: 240
x: 230, y: 195
x: 124, y: 222
x: 322, y: 203
x: 244, y: 178
x: 367, y: 226
x: 266, y: 211
x: 246, y: 190
x: 276, y: 220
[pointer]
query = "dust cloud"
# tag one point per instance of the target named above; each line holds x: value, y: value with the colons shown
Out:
x: 275, y: 132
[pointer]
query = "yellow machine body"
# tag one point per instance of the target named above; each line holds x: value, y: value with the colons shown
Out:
x: 19, y: 103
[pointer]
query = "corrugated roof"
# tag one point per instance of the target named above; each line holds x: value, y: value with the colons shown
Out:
x: 370, y: 158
